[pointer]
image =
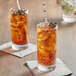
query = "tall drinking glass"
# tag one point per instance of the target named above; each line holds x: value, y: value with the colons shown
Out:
x: 19, y: 31
x: 46, y: 46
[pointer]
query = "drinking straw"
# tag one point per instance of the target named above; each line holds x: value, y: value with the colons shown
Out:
x: 18, y: 5
x: 45, y: 12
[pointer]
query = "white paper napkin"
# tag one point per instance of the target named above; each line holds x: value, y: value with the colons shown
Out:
x: 61, y: 69
x: 7, y: 48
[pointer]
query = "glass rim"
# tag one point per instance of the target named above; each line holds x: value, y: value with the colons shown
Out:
x: 55, y: 28
x: 26, y: 10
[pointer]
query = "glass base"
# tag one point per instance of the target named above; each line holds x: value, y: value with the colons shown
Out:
x: 19, y: 47
x: 68, y: 19
x: 46, y: 68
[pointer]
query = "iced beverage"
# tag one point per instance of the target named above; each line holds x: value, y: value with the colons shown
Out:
x: 19, y: 31
x: 46, y: 46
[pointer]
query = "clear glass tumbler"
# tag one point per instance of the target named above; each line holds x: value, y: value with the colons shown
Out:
x: 46, y: 46
x: 19, y: 29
